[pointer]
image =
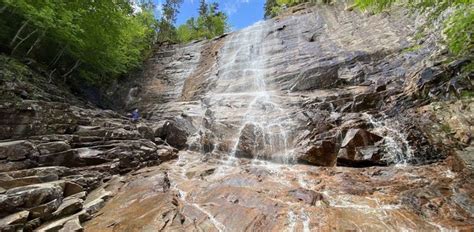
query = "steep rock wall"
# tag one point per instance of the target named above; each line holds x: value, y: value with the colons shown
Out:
x: 323, y: 70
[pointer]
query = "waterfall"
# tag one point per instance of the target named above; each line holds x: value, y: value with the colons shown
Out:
x: 243, y: 99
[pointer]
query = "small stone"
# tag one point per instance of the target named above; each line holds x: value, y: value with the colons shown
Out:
x: 72, y: 188
x: 68, y: 207
x: 308, y: 196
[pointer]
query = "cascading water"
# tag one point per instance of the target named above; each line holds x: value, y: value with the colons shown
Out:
x: 241, y: 86
x: 396, y: 144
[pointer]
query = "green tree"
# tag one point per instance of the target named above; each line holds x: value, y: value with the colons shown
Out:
x: 96, y: 39
x: 210, y: 23
x: 203, y: 8
x: 268, y: 8
x: 167, y: 30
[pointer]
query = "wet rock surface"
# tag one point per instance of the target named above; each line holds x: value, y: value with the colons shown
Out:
x: 265, y: 196
x: 318, y: 120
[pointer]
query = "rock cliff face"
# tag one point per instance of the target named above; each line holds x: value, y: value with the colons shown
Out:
x: 56, y: 152
x: 319, y: 120
x: 312, y: 87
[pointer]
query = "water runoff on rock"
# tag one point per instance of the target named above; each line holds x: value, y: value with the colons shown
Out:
x: 396, y: 147
x: 262, y: 126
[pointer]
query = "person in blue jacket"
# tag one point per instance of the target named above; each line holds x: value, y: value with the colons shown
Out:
x: 135, y: 115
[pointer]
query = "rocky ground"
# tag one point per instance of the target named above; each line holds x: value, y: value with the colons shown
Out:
x: 319, y: 120
x: 205, y: 194
x: 57, y: 153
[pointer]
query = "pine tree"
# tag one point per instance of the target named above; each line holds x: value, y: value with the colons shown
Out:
x: 203, y: 8
x: 167, y: 30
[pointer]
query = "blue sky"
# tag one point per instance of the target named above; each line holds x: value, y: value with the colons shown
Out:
x: 241, y: 13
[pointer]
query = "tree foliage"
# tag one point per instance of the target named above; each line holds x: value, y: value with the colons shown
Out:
x: 210, y: 23
x: 166, y: 28
x: 96, y: 39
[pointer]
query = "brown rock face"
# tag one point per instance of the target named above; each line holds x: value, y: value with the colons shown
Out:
x: 356, y: 149
x: 308, y: 122
x: 17, y: 150
x: 58, y: 152
x: 268, y: 197
x: 251, y: 142
x: 323, y: 153
x: 173, y: 134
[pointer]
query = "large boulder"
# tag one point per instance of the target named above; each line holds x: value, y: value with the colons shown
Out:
x: 320, y: 153
x: 173, y: 133
x: 359, y: 138
x: 251, y: 141
x: 357, y: 149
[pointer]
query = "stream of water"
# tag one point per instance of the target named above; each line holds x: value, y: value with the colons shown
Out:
x: 242, y: 85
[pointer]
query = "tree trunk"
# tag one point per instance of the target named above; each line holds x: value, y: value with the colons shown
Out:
x: 19, y: 31
x: 51, y: 76
x: 38, y: 40
x: 78, y: 62
x: 23, y: 40
x: 58, y: 56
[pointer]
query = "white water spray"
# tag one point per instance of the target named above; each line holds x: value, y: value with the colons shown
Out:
x: 396, y: 144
